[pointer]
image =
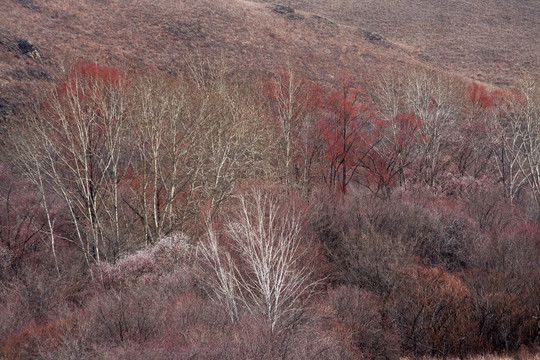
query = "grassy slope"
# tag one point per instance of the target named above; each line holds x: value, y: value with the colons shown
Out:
x: 495, y: 41
x: 490, y: 40
x: 161, y: 33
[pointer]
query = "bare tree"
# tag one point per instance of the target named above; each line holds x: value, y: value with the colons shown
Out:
x: 293, y: 102
x: 28, y: 155
x: 194, y: 138
x: 165, y: 132
x: 263, y: 269
x: 434, y: 97
x: 518, y: 154
x: 220, y: 272
x: 71, y: 145
x: 236, y: 140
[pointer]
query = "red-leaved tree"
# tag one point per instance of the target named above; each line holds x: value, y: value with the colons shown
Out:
x: 392, y: 151
x: 343, y: 129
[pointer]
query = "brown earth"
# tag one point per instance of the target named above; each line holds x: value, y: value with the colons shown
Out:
x: 321, y: 37
x: 494, y: 41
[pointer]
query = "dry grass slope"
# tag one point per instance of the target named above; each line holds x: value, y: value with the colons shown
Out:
x: 495, y: 41
x: 161, y: 33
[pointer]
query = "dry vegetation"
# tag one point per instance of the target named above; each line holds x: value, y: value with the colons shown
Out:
x: 140, y: 33
x: 233, y: 179
x: 206, y: 216
x: 492, y: 41
x: 495, y: 41
x: 491, y: 357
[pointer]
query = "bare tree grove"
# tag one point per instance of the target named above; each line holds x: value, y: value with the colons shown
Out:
x: 212, y: 215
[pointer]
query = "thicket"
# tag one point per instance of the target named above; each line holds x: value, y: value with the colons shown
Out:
x: 204, y: 216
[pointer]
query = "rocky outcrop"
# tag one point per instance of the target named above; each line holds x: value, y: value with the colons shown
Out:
x: 29, y: 4
x: 371, y: 36
x: 288, y: 12
x: 28, y: 49
x: 325, y: 20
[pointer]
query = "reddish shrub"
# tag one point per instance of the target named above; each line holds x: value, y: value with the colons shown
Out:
x: 34, y: 340
x: 513, y: 250
x: 363, y: 317
x: 432, y: 309
x: 505, y: 309
x: 133, y: 314
x: 367, y: 240
x: 478, y: 96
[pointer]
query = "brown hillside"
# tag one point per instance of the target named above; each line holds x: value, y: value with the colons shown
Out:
x: 253, y: 37
x: 494, y: 41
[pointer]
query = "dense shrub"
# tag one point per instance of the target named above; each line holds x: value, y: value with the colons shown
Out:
x: 364, y: 318
x: 367, y: 240
x: 133, y: 314
x: 432, y: 310
x: 152, y: 217
x: 504, y: 310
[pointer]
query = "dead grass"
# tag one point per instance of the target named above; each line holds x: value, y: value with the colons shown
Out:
x: 494, y: 41
x: 494, y: 45
x: 161, y: 33
x: 486, y: 357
